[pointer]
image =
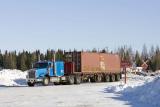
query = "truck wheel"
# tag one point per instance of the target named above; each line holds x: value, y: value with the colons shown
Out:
x: 99, y: 78
x: 112, y: 78
x: 30, y: 84
x: 77, y: 79
x: 46, y: 81
x: 120, y: 75
x: 92, y: 79
x: 117, y: 77
x: 107, y: 78
x: 70, y: 80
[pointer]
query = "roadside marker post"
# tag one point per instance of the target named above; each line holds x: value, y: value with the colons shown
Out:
x: 125, y: 65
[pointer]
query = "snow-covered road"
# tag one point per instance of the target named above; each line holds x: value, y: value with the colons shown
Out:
x: 84, y: 95
x: 138, y: 92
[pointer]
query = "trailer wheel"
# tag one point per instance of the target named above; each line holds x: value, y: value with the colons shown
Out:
x: 70, y: 80
x: 99, y: 78
x: 107, y: 78
x: 118, y: 77
x: 92, y: 78
x: 112, y: 78
x: 77, y: 79
x: 30, y: 84
x: 46, y: 81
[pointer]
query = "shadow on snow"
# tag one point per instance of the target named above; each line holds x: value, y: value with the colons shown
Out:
x: 127, y: 98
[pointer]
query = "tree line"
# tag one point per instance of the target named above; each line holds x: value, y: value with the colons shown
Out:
x: 24, y: 60
x: 149, y: 56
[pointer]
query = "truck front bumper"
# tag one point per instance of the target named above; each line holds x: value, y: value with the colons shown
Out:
x: 33, y: 80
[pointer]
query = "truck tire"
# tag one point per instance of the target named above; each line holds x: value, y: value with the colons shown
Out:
x: 118, y: 77
x: 113, y: 78
x: 46, y: 81
x: 107, y: 78
x: 77, y: 80
x: 70, y: 80
x: 92, y: 78
x: 30, y: 84
x: 99, y: 78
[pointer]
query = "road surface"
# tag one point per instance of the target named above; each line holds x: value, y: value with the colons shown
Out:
x: 84, y: 95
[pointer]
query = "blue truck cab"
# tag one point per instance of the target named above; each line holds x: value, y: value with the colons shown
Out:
x: 49, y: 68
x: 45, y: 72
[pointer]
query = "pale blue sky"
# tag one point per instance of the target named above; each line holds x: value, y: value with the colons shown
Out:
x: 80, y: 24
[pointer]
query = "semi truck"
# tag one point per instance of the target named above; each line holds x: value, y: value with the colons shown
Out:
x: 50, y: 71
x: 76, y: 68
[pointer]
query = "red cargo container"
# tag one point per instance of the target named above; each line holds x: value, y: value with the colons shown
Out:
x: 95, y: 62
x: 94, y: 65
x: 100, y: 62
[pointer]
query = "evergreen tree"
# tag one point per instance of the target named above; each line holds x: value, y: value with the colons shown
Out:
x: 60, y: 55
x: 38, y: 55
x: 42, y: 57
x: 48, y: 55
x: 6, y: 60
x: 157, y: 59
x: 152, y: 51
x: 144, y: 53
x: 23, y: 59
x: 13, y: 61
x: 28, y: 60
x: 33, y: 59
x: 138, y: 59
x: 125, y: 54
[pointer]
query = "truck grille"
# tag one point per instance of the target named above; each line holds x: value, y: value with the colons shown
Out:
x: 31, y: 74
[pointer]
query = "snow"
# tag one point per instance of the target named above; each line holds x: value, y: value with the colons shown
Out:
x: 84, y: 95
x: 12, y: 78
x: 140, y: 91
x: 132, y: 81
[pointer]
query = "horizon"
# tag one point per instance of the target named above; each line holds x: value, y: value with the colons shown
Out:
x: 39, y: 25
x: 149, y: 49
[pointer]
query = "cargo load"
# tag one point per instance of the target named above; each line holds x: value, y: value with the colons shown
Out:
x: 94, y: 67
x: 94, y: 62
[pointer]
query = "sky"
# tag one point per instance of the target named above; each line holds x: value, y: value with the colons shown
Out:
x: 79, y: 24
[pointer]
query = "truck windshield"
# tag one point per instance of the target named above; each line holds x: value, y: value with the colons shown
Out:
x: 41, y: 65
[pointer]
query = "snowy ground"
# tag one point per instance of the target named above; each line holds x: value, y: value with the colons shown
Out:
x: 12, y: 78
x: 84, y: 95
x: 138, y: 92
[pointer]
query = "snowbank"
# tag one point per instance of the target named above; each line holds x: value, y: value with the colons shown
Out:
x: 132, y: 82
x: 145, y: 90
x: 148, y: 93
x: 12, y: 78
